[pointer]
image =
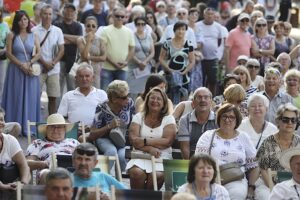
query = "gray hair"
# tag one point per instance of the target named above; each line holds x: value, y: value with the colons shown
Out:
x: 45, y: 6
x: 259, y: 96
x: 85, y: 65
x: 283, y: 54
x: 138, y: 8
x: 201, y: 88
x: 58, y: 173
x: 115, y: 88
x: 286, y: 107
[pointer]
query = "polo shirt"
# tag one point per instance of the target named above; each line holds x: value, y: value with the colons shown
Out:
x: 78, y: 107
x: 54, y: 38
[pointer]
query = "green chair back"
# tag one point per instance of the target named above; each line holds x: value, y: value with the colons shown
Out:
x: 175, y: 173
x: 283, y: 176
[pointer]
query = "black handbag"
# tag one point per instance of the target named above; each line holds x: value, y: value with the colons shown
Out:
x: 9, y: 174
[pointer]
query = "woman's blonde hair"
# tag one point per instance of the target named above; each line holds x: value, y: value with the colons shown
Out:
x: 116, y: 88
x: 234, y: 93
x: 289, y: 73
x: 241, y: 68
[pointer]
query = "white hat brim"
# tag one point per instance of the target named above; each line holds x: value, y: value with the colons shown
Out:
x: 286, y: 156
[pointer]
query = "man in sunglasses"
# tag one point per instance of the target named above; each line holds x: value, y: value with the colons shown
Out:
x: 84, y: 161
x: 238, y: 42
x: 120, y: 49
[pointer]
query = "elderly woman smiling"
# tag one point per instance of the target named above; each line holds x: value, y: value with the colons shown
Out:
x: 292, y: 85
x: 268, y: 154
x: 227, y: 145
x: 201, y: 179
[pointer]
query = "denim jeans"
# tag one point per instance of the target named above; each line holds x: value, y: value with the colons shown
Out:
x: 107, y: 76
x: 106, y: 146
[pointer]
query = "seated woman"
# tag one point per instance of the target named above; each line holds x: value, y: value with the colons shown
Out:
x: 227, y: 145
x: 38, y: 153
x: 201, y: 179
x: 152, y: 131
x: 115, y: 113
x: 10, y: 154
x: 269, y: 152
x: 154, y: 80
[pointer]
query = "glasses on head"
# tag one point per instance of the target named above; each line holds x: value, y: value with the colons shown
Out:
x: 287, y: 120
x: 140, y: 24
x: 231, y: 118
x: 205, y: 97
x: 244, y: 20
x: 91, y: 26
x: 119, y: 16
x: 85, y: 152
x: 261, y: 25
x: 253, y: 66
x: 123, y: 97
x: 181, y: 13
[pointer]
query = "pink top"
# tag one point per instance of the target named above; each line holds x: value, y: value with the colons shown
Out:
x: 239, y: 43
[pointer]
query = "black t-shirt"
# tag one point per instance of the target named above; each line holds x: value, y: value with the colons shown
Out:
x: 101, y: 18
x: 284, y: 7
x: 70, y: 49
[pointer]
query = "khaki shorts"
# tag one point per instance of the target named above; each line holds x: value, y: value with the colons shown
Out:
x: 52, y: 84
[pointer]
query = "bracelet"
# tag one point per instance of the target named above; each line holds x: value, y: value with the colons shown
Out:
x: 253, y: 187
x: 145, y: 142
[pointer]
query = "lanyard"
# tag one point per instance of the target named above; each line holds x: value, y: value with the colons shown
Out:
x: 296, y: 190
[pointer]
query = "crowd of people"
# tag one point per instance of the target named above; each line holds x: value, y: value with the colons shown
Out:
x: 220, y: 80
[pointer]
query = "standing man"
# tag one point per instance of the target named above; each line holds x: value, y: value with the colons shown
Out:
x: 212, y: 35
x: 71, y: 30
x: 98, y: 12
x: 171, y: 16
x: 52, y: 50
x: 194, y: 124
x: 120, y: 44
x: 58, y: 185
x: 238, y: 42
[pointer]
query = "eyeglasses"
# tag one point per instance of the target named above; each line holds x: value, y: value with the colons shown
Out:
x: 85, y: 152
x: 244, y: 20
x: 292, y: 80
x: 57, y: 127
x: 91, y: 26
x: 253, y: 66
x: 231, y: 118
x: 287, y: 120
x: 261, y: 25
x: 155, y: 98
x: 181, y: 13
x: 123, y: 97
x: 140, y: 24
x: 119, y: 16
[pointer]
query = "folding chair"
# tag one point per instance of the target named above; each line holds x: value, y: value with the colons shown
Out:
x: 175, y: 173
x: 103, y: 165
x: 30, y: 192
x: 118, y: 194
x: 278, y: 176
x: 86, y: 193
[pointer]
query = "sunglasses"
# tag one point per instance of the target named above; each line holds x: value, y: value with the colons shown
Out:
x: 124, y: 97
x: 85, y: 152
x: 181, y: 13
x: 140, y: 24
x: 253, y: 66
x: 91, y: 26
x: 287, y: 120
x: 119, y: 16
x: 244, y: 20
x: 261, y: 25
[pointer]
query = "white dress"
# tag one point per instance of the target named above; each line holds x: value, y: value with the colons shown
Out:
x: 147, y: 132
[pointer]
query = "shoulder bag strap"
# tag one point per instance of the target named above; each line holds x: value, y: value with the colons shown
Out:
x: 141, y: 45
x: 43, y: 41
x: 22, y: 44
x: 211, y: 142
x: 265, y: 124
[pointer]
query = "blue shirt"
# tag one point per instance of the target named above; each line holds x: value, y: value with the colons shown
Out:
x: 104, y: 181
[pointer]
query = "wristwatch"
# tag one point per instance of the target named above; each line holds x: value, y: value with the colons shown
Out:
x: 145, y: 142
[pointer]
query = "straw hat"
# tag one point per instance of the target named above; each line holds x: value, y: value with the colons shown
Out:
x: 54, y: 119
x: 286, y: 156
